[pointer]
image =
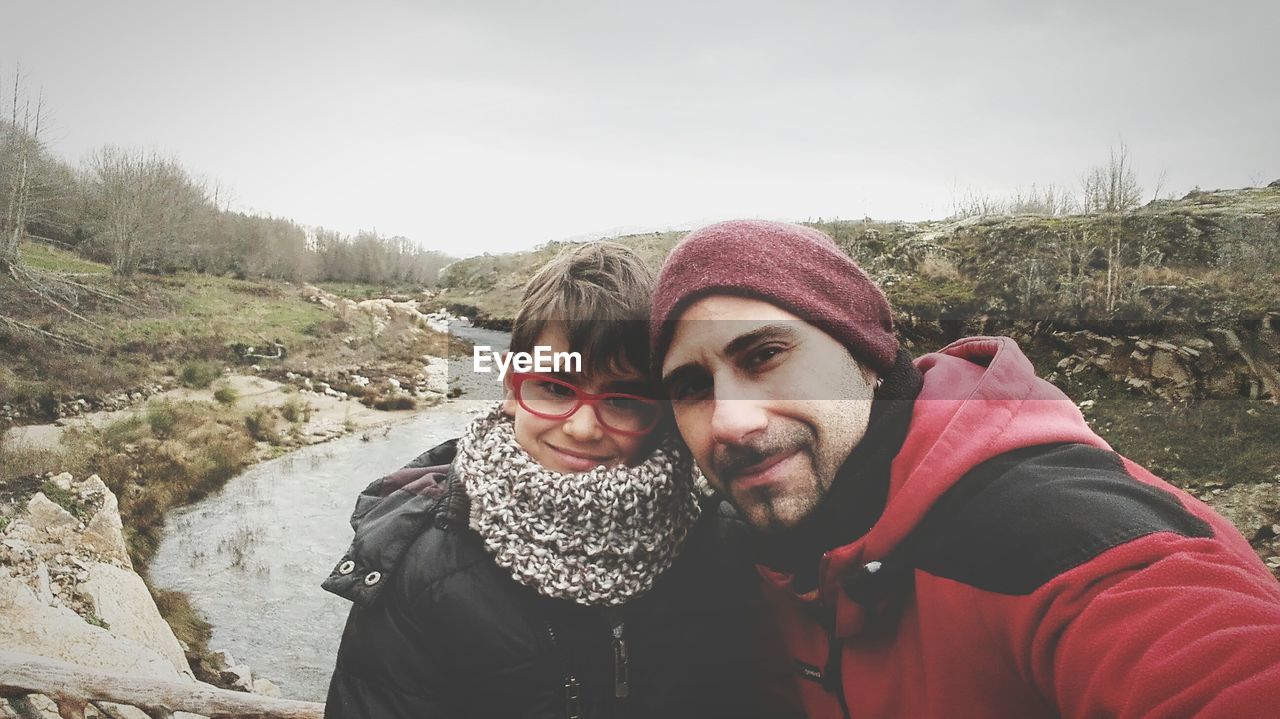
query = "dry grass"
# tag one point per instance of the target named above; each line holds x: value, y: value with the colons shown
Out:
x: 939, y: 267
x: 20, y: 461
x: 199, y: 374
x: 179, y: 325
x: 173, y: 454
x: 263, y: 425
x: 189, y: 626
x: 226, y: 396
x: 296, y: 410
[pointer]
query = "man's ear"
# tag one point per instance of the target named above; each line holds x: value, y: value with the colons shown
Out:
x: 508, y: 394
x: 871, y: 377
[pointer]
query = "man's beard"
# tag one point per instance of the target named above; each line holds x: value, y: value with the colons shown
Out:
x: 769, y: 508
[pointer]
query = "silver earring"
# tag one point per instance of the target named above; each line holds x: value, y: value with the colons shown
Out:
x: 879, y: 382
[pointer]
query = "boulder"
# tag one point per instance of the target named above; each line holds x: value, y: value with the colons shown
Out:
x: 104, y: 534
x: 238, y: 677
x: 1166, y: 368
x: 34, y: 627
x: 121, y: 599
x: 43, y: 515
x: 62, y: 481
x: 266, y: 688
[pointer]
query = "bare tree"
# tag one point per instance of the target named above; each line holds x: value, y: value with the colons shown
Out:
x: 373, y: 259
x: 1112, y: 187
x: 1161, y: 179
x: 144, y: 207
x: 27, y: 187
x: 19, y: 151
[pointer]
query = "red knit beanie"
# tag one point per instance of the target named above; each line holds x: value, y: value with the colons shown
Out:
x: 799, y: 269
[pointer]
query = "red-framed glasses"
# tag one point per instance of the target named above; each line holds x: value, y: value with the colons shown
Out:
x: 552, y: 398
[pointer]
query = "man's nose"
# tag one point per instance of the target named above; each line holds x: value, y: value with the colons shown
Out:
x: 583, y: 425
x: 735, y: 417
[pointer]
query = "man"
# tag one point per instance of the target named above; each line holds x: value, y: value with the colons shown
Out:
x: 945, y: 537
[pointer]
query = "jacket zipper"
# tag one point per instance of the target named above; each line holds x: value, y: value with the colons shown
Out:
x: 621, y: 662
x: 572, y: 689
x: 833, y: 673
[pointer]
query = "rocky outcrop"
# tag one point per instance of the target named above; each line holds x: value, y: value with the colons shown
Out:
x: 383, y: 385
x: 374, y: 384
x: 388, y: 318
x: 68, y: 592
x: 1216, y: 364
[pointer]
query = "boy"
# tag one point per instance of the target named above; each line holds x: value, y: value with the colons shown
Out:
x: 555, y: 561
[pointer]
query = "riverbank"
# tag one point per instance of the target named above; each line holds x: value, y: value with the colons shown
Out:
x: 326, y: 417
x: 254, y: 549
x: 365, y: 364
x: 145, y: 506
x: 181, y: 444
x: 362, y: 367
x: 251, y: 556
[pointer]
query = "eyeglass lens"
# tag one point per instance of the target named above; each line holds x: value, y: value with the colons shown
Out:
x: 560, y: 399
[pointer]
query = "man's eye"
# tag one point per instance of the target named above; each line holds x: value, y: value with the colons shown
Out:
x: 761, y: 356
x: 689, y: 389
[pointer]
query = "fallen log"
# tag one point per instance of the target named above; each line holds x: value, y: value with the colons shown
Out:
x: 72, y: 686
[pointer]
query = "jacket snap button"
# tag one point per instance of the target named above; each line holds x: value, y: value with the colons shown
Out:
x: 372, y: 578
x: 347, y: 567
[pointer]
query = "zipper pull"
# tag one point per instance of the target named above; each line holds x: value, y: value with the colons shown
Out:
x: 572, y: 689
x: 621, y: 668
x: 572, y: 698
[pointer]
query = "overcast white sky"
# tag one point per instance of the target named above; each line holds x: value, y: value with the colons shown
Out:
x: 480, y: 125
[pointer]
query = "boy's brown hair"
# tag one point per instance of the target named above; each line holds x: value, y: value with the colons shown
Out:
x: 599, y: 292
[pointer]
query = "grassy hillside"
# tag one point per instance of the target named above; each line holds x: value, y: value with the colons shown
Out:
x: 1209, y: 257
x: 1172, y: 270
x: 162, y: 324
x: 488, y: 288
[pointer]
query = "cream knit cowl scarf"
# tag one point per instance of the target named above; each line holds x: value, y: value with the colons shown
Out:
x: 597, y: 538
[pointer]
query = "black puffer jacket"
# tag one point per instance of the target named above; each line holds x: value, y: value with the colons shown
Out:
x: 438, y: 630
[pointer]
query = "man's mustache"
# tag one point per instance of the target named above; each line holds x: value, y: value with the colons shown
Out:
x: 730, y: 460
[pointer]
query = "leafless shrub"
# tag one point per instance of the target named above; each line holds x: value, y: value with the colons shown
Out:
x: 296, y: 410
x: 1049, y: 200
x: 1112, y: 187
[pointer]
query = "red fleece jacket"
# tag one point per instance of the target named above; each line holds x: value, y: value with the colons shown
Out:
x: 1041, y: 574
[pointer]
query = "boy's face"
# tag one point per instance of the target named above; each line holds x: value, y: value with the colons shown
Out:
x: 577, y: 443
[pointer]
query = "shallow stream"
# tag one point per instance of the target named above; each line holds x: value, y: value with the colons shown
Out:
x: 253, y: 555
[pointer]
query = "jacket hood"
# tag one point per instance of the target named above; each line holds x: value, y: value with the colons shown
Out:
x: 980, y: 399
x: 389, y: 515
